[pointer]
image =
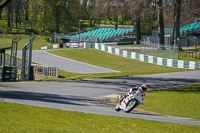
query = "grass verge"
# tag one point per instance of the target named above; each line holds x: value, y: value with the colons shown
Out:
x: 17, y: 118
x: 182, y: 102
x: 127, y: 67
x: 182, y: 56
x: 39, y: 41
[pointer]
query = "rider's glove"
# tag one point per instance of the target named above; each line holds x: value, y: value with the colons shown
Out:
x: 132, y: 89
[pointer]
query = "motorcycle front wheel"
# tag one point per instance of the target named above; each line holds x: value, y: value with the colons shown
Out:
x: 132, y: 104
x: 117, y: 108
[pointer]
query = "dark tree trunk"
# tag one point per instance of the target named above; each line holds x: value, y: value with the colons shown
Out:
x: 177, y: 16
x: 26, y: 10
x: 9, y: 25
x: 58, y: 27
x: 25, y: 15
x: 94, y: 22
x: 161, y: 27
x: 0, y: 14
x: 21, y: 9
x: 57, y: 20
x: 12, y: 18
x: 138, y: 32
x: 4, y: 4
x: 109, y: 17
x: 90, y: 22
x: 122, y: 18
x: 17, y: 13
x: 116, y: 20
x: 132, y: 22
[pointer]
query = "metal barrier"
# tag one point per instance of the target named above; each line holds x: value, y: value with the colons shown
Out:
x: 39, y: 72
x: 45, y: 71
x: 27, y: 60
x: 9, y: 70
x: 9, y: 73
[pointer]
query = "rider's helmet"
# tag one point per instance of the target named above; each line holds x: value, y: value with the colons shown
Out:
x: 144, y: 87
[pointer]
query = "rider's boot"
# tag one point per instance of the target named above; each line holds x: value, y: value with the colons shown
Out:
x: 120, y: 98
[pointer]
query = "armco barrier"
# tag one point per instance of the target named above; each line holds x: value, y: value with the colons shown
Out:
x: 46, y: 71
x: 149, y: 59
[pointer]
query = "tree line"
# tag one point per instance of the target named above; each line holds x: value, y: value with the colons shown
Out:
x: 65, y: 15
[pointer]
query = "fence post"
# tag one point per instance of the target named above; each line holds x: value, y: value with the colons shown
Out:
x: 57, y: 72
x: 1, y: 73
x: 23, y: 68
x: 13, y: 58
x: 26, y: 66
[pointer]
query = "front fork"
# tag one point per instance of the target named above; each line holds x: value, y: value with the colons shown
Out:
x: 119, y: 97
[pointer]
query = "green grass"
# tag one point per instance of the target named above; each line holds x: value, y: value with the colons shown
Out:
x: 40, y: 40
x: 17, y: 118
x: 127, y: 67
x: 182, y: 102
x: 182, y: 56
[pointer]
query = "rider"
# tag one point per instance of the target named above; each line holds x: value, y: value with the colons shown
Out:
x: 142, y: 88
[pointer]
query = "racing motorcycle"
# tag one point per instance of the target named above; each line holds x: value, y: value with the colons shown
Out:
x: 131, y: 100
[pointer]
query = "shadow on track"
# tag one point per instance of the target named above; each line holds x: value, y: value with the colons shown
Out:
x: 153, y: 83
x: 49, y: 98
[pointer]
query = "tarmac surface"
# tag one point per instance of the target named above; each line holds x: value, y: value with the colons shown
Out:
x: 69, y: 65
x: 84, y: 95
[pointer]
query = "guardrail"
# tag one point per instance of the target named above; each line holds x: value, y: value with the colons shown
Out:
x: 8, y: 73
x: 46, y: 71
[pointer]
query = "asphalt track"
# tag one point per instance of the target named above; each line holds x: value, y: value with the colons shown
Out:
x: 45, y: 58
x: 84, y: 95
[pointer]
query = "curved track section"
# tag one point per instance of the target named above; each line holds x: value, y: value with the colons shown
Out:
x: 69, y: 65
x: 83, y: 95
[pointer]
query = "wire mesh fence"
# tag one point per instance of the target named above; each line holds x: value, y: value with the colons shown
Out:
x: 170, y: 52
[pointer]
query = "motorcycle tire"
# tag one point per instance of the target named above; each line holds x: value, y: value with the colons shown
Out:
x: 131, y: 105
x: 117, y: 108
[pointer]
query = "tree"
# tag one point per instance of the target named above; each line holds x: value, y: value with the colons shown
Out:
x: 136, y: 8
x: 9, y: 17
x: 4, y: 3
x: 190, y: 10
x: 177, y: 16
x: 0, y: 14
x: 161, y: 28
x: 26, y: 3
x: 17, y: 12
x: 96, y: 9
